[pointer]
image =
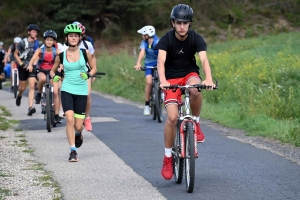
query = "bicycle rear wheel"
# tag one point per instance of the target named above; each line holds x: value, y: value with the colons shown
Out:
x: 190, y: 158
x: 152, y: 104
x: 177, y: 160
x: 15, y: 84
x: 48, y: 110
x: 158, y: 102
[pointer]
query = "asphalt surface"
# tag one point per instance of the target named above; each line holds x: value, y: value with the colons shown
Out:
x: 122, y: 159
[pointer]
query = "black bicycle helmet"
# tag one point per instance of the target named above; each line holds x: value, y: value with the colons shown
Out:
x: 50, y: 33
x: 33, y: 27
x: 182, y: 12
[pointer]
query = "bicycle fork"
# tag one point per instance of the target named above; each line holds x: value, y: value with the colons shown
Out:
x: 183, y: 129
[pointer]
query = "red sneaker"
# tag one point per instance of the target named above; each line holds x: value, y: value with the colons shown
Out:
x: 88, y: 124
x: 200, y: 134
x: 167, y: 168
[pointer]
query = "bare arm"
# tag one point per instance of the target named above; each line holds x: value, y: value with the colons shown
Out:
x: 161, y: 59
x: 141, y: 56
x: 6, y: 59
x: 206, y: 68
x: 91, y: 62
x: 16, y: 55
x: 55, y: 65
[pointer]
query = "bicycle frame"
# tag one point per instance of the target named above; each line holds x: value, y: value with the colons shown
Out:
x: 184, y: 117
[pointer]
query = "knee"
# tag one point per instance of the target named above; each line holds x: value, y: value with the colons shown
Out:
x: 172, y: 120
x: 78, y: 127
x: 148, y: 83
x: 70, y: 121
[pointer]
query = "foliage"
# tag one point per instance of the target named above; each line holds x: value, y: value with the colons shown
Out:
x: 210, y: 17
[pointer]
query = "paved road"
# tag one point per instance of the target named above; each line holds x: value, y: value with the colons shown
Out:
x: 122, y: 159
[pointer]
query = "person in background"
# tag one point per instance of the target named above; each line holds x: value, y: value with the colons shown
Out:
x: 147, y: 48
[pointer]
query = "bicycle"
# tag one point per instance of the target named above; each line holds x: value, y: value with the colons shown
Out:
x: 184, y: 150
x: 47, y: 101
x: 15, y: 79
x: 156, y: 99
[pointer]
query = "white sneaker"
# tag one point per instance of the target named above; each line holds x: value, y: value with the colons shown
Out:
x: 61, y: 113
x: 147, y: 110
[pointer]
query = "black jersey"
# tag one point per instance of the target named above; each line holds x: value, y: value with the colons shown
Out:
x: 180, y: 59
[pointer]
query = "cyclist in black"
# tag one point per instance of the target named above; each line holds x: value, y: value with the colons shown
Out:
x: 177, y: 65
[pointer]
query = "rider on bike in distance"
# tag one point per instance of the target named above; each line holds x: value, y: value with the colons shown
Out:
x: 147, y: 47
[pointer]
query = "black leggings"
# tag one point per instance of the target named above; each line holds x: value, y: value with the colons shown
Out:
x: 74, y: 102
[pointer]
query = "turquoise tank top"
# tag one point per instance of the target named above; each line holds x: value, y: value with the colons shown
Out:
x: 72, y: 82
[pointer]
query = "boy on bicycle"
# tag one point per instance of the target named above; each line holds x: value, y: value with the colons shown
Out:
x: 177, y: 65
x: 147, y: 46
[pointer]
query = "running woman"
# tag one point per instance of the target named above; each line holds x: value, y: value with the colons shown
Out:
x: 74, y: 89
x: 85, y: 44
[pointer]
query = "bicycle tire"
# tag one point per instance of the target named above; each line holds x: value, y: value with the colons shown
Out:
x: 15, y: 84
x: 190, y: 158
x: 158, y: 102
x: 48, y: 110
x: 177, y: 160
x: 152, y: 104
x: 52, y: 110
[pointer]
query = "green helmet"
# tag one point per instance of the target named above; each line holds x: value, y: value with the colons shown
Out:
x: 72, y: 28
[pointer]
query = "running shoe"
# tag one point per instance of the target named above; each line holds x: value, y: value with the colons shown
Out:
x: 73, y: 156
x: 200, y: 134
x: 18, y: 100
x: 88, y: 124
x: 57, y: 119
x: 78, y: 140
x: 31, y: 110
x: 147, y: 110
x: 37, y: 98
x: 167, y: 168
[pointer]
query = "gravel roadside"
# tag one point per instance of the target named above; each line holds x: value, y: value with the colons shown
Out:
x: 21, y: 175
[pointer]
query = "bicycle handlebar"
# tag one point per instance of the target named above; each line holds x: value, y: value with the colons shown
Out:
x: 198, y: 86
x: 144, y: 68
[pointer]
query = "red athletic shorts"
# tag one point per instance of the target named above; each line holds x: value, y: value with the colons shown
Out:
x: 173, y: 97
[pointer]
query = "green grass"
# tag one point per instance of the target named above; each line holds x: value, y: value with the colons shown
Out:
x: 257, y: 77
x: 4, y: 122
x: 4, y: 193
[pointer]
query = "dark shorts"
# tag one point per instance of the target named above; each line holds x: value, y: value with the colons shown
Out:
x: 74, y: 102
x: 24, y: 74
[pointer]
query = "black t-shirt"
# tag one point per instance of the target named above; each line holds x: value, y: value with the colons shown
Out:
x: 180, y: 59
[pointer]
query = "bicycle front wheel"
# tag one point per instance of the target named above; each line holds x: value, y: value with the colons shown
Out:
x: 15, y: 84
x: 177, y: 159
x: 48, y: 110
x: 190, y: 158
